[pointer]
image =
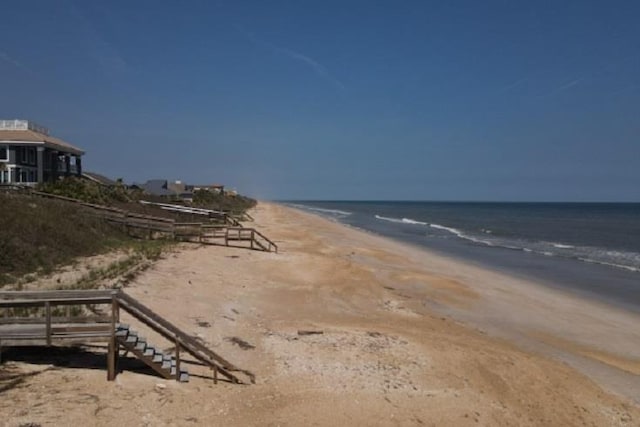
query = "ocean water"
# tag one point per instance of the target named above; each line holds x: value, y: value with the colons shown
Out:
x: 591, y: 248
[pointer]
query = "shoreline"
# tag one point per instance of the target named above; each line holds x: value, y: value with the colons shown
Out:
x: 400, y: 337
x: 584, y: 353
x: 579, y: 276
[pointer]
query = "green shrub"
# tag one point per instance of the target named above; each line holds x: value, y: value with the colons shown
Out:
x: 89, y: 191
x: 40, y: 234
x: 233, y: 203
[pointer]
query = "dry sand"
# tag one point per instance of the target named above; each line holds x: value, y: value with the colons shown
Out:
x: 408, y: 338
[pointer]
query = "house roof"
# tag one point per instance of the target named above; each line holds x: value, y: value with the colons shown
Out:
x: 100, y: 179
x: 156, y: 187
x: 36, y: 138
x: 206, y: 186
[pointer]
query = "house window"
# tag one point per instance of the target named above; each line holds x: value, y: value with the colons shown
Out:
x: 27, y: 155
x: 4, y: 153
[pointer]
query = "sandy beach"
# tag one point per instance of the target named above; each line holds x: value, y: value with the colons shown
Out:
x: 395, y: 335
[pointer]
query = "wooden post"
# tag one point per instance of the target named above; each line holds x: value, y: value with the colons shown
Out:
x: 215, y: 375
x: 47, y: 309
x: 111, y: 361
x: 113, y: 346
x: 226, y: 236
x: 252, y: 238
x: 177, y: 358
x: 115, y: 309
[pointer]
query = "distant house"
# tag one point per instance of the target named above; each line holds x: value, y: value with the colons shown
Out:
x: 180, y: 189
x: 155, y: 187
x: 30, y: 155
x: 166, y: 188
x: 215, y: 188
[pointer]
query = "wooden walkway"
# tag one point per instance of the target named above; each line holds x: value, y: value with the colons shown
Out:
x: 231, y: 233
x: 34, y: 318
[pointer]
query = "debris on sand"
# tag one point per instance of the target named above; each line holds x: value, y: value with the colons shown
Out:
x: 302, y: 332
x: 240, y: 343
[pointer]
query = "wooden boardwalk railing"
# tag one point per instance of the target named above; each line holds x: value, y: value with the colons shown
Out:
x: 16, y: 328
x: 181, y: 339
x: 230, y: 234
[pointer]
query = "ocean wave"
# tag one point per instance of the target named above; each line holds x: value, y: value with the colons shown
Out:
x: 629, y: 261
x: 323, y: 210
x: 401, y: 220
x: 610, y: 264
x: 562, y: 246
x: 461, y: 235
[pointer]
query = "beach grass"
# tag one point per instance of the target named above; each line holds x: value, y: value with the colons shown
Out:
x: 39, y: 235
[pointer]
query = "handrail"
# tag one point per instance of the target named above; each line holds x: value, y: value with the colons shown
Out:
x: 150, y: 217
x: 168, y: 225
x: 171, y: 332
x: 120, y: 300
x: 12, y: 299
x: 271, y: 243
x: 56, y: 294
x: 254, y: 231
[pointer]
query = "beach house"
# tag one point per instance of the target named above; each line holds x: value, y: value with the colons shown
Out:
x: 30, y: 155
x: 176, y: 189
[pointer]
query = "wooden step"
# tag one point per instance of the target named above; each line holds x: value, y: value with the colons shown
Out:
x: 164, y: 364
x: 183, y: 377
x: 141, y: 344
x: 131, y: 339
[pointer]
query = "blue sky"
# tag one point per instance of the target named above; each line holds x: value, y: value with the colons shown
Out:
x: 424, y: 100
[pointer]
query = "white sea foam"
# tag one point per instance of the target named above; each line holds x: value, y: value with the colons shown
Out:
x: 562, y: 246
x: 460, y: 234
x: 323, y: 210
x: 401, y: 220
x: 629, y: 261
x: 412, y: 221
x: 449, y: 229
x: 610, y: 264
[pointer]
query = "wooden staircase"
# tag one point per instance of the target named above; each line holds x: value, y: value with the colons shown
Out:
x: 181, y: 340
x: 164, y: 364
x: 40, y: 327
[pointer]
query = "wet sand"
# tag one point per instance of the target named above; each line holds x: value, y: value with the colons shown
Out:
x: 404, y: 337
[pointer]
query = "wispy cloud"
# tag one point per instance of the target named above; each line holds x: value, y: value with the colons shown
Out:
x: 98, y: 48
x: 5, y: 57
x: 513, y: 85
x: 566, y: 86
x: 571, y: 84
x: 319, y: 69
